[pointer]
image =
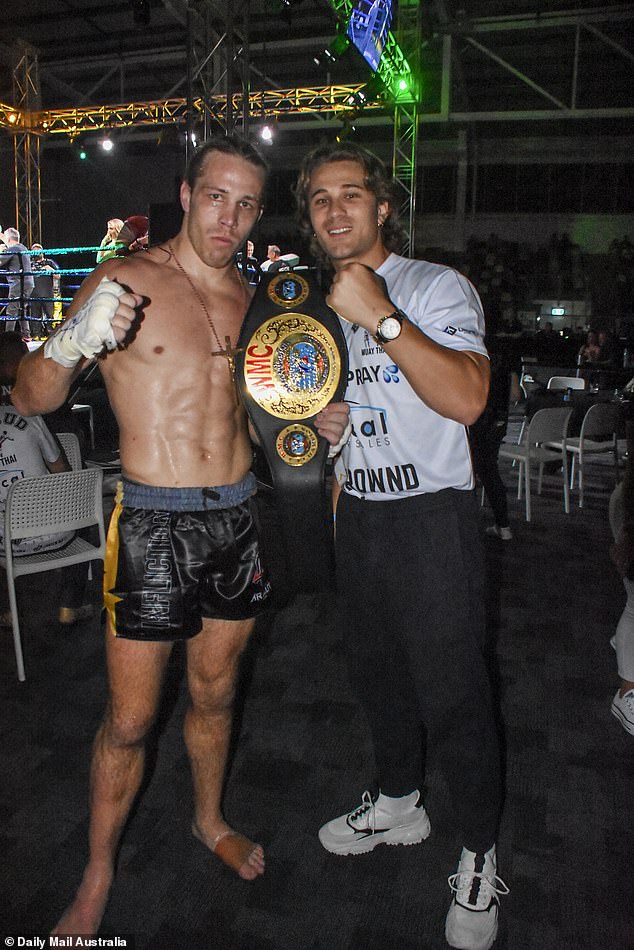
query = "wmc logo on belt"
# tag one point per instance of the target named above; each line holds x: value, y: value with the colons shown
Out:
x: 292, y: 368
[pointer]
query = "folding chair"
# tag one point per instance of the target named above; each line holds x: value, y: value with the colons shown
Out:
x: 546, y: 427
x: 597, y: 436
x: 70, y: 443
x: 565, y: 382
x: 50, y: 504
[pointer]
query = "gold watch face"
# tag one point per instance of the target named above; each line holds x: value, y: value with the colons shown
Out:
x: 389, y: 328
x: 292, y: 366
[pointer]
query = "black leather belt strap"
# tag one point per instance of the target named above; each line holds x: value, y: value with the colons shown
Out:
x: 291, y: 362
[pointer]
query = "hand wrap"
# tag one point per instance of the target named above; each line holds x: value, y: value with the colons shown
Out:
x: 336, y: 449
x: 86, y: 334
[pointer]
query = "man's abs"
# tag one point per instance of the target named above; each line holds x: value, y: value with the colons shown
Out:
x: 176, y: 462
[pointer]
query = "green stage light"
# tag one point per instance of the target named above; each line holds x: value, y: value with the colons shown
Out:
x: 82, y: 154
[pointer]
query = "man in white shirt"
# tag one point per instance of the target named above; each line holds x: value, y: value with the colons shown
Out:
x: 28, y: 448
x: 409, y: 555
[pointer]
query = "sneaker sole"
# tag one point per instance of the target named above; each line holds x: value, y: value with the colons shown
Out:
x: 462, y: 944
x: 459, y: 939
x: 406, y: 836
x: 627, y: 725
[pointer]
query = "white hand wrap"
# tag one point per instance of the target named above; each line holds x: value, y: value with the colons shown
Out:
x: 86, y: 334
x: 336, y: 449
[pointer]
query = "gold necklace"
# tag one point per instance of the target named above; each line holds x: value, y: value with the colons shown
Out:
x: 229, y: 352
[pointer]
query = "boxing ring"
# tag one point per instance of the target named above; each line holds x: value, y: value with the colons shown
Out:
x: 80, y: 404
x: 70, y: 279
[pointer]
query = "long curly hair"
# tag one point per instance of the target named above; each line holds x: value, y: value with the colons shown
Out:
x: 377, y: 180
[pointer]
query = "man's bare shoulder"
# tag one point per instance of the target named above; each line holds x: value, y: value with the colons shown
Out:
x: 140, y: 267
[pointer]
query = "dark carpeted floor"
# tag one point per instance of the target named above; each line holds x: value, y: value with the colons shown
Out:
x: 303, y: 757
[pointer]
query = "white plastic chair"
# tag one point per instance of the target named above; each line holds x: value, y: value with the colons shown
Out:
x: 83, y: 407
x: 597, y: 436
x: 565, y: 382
x: 558, y: 384
x: 70, y: 443
x: 546, y: 426
x: 50, y: 504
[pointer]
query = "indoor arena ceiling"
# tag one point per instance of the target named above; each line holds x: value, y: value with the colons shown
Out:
x: 479, y: 61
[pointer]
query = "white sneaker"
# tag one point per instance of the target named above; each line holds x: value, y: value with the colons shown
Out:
x: 496, y: 531
x: 377, y: 821
x: 472, y: 921
x: 623, y: 709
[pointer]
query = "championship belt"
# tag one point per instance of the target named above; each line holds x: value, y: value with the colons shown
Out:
x: 292, y: 361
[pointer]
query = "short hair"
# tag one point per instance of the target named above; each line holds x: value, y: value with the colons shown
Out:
x: 12, y: 233
x: 231, y: 144
x: 376, y: 179
x: 38, y: 247
x: 274, y: 248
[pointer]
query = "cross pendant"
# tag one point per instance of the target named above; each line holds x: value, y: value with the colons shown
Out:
x: 230, y: 355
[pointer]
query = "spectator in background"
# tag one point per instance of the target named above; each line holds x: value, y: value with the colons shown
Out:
x: 252, y: 271
x: 621, y: 513
x: 271, y: 264
x: 590, y: 352
x: 487, y: 433
x: 46, y: 287
x: 28, y: 448
x: 133, y: 236
x: 548, y: 344
x: 610, y: 354
x: 108, y: 246
x: 15, y: 262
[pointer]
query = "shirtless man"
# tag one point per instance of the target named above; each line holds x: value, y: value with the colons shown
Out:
x: 168, y: 372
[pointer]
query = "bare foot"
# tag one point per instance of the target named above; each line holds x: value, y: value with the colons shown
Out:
x: 84, y: 915
x: 240, y: 854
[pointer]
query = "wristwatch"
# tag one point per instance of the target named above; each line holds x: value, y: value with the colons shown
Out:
x: 389, y: 328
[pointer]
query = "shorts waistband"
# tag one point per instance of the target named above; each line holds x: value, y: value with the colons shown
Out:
x: 156, y: 498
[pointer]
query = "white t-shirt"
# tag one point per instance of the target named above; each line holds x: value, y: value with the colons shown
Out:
x: 399, y: 446
x: 25, y: 446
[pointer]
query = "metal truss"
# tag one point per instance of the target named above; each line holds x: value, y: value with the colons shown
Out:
x: 217, y: 63
x: 332, y: 99
x: 26, y: 145
x: 567, y: 27
x: 404, y: 168
x: 405, y: 139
